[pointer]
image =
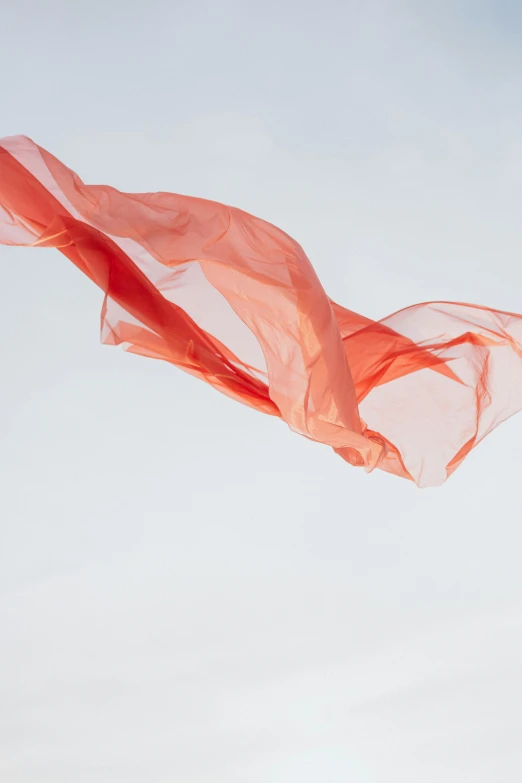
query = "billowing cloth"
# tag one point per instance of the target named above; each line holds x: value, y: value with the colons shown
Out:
x: 234, y: 301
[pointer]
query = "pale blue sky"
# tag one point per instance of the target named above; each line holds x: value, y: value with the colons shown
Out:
x: 189, y: 593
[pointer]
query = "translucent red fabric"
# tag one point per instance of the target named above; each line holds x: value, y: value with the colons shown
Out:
x: 235, y: 301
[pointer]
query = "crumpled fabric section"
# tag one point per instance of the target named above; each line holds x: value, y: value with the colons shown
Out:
x: 234, y: 301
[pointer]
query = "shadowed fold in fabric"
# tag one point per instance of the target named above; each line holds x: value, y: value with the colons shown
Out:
x: 234, y: 301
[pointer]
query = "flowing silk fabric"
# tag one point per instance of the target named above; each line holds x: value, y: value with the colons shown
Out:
x: 235, y: 301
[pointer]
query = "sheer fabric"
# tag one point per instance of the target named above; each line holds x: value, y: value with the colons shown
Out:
x: 234, y: 301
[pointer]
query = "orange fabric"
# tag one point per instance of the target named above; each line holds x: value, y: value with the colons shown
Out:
x: 235, y: 301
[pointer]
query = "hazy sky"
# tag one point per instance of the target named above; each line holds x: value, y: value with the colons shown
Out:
x: 190, y: 593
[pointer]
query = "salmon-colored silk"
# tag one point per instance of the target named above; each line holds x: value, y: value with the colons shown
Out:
x: 235, y: 301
